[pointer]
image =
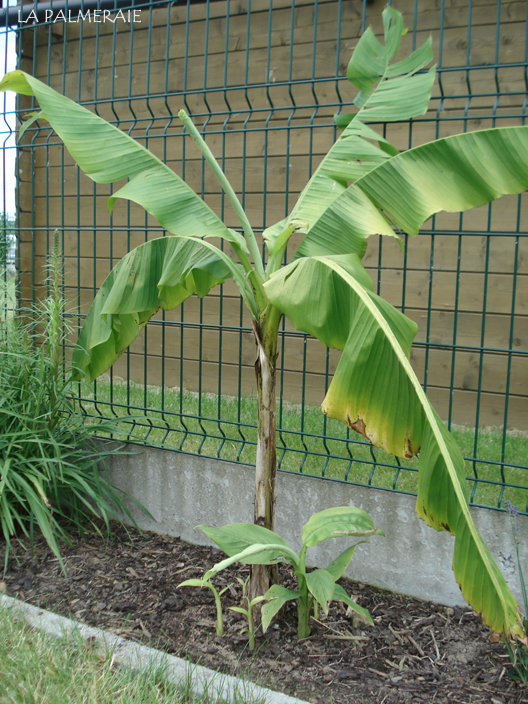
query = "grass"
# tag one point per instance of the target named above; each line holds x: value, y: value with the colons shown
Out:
x: 49, y: 465
x: 307, y: 441
x: 35, y: 667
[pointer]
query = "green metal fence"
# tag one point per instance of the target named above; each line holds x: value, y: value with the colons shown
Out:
x: 463, y: 279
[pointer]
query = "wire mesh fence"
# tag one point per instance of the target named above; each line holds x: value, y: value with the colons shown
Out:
x: 262, y: 80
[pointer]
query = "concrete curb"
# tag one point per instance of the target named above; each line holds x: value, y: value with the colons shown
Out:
x: 138, y: 657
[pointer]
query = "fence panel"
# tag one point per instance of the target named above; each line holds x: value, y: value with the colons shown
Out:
x: 262, y: 81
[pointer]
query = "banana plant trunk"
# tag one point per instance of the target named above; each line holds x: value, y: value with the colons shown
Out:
x: 263, y: 576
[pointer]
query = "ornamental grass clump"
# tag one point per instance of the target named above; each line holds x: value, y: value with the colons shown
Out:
x: 50, y: 471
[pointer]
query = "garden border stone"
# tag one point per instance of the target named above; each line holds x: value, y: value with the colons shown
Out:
x: 139, y: 657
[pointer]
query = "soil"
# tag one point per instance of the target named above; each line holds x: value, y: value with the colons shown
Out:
x: 416, y: 651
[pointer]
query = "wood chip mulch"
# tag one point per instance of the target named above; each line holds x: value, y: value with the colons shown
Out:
x: 416, y: 651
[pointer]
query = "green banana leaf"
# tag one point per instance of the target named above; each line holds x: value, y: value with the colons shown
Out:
x: 376, y: 392
x: 452, y: 174
x: 337, y: 522
x: 381, y: 99
x: 341, y: 595
x: 161, y: 273
x: 278, y: 596
x: 266, y: 554
x: 338, y: 566
x: 191, y: 583
x: 321, y: 585
x: 107, y: 154
x: 236, y: 537
x: 388, y: 93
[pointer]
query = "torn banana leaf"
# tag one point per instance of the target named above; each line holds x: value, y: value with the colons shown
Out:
x: 376, y: 392
x: 158, y: 274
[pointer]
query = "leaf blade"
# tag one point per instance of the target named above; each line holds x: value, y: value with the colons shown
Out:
x: 236, y: 537
x: 278, y: 596
x: 337, y: 522
x: 452, y: 174
x: 158, y: 274
x: 341, y: 595
x: 152, y: 183
x: 376, y: 392
x: 338, y: 566
x: 321, y: 585
x: 257, y: 554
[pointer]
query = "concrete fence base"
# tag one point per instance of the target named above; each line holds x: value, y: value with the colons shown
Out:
x: 182, y: 491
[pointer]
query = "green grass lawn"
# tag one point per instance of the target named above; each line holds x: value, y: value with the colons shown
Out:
x: 307, y: 441
x: 35, y: 668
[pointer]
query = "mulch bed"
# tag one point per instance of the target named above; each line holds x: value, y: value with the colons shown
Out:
x: 416, y: 652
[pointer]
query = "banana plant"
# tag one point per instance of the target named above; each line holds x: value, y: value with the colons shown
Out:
x: 206, y: 583
x: 362, y: 187
x: 255, y: 545
x: 248, y: 611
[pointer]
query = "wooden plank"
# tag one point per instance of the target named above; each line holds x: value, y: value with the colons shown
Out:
x: 471, y: 291
x: 491, y: 408
x: 208, y: 343
x: 277, y: 140
x: 503, y: 212
x: 491, y: 372
x: 83, y: 211
x: 237, y: 39
x: 474, y: 288
x: 172, y: 45
x: 197, y: 13
x: 508, y: 214
x: 274, y: 173
x: 471, y: 294
x: 441, y: 324
x: 496, y: 289
x: 455, y: 13
x: 231, y: 373
x: 463, y: 370
x: 144, y: 107
x: 254, y: 102
x: 230, y: 347
x: 500, y: 255
x: 470, y: 370
x: 469, y: 329
x: 78, y: 244
x: 501, y: 259
x: 259, y: 172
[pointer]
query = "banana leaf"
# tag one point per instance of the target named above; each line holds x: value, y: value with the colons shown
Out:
x: 388, y: 93
x: 161, y: 273
x: 107, y: 154
x: 376, y: 392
